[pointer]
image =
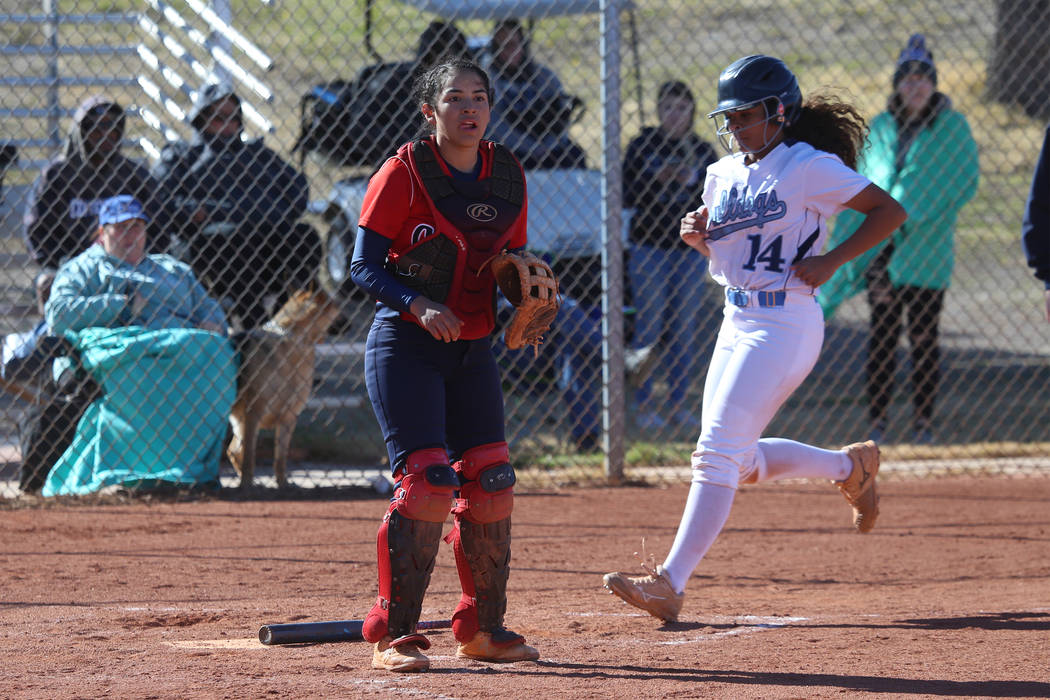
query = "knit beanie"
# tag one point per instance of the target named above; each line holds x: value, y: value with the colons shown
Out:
x: 915, y: 58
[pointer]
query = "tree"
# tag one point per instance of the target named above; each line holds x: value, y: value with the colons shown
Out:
x: 1019, y: 72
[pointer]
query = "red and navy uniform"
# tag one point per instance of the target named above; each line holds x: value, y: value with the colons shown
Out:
x: 426, y: 392
x: 428, y: 229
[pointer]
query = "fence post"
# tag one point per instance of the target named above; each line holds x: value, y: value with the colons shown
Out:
x: 613, y: 402
x: 54, y: 107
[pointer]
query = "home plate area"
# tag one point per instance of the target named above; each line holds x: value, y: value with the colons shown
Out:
x: 707, y: 629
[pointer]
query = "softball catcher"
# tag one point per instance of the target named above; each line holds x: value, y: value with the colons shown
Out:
x: 435, y: 217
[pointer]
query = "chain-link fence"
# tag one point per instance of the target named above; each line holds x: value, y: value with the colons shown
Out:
x: 591, y: 96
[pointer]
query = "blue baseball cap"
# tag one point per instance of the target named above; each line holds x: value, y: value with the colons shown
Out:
x: 120, y: 208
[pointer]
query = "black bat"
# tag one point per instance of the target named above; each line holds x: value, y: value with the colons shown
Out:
x: 331, y: 631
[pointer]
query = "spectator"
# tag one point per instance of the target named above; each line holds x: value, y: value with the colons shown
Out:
x: 364, y: 121
x: 663, y: 175
x: 532, y: 114
x: 922, y: 152
x: 155, y: 342
x: 438, y: 41
x: 62, y: 211
x: 1035, y: 229
x: 240, y: 204
x: 8, y: 155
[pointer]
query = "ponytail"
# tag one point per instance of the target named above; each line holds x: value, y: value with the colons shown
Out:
x: 829, y: 124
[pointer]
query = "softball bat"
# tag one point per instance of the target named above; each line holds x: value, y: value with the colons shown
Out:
x: 330, y: 631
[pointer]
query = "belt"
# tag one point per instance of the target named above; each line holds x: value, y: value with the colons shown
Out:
x: 754, y: 297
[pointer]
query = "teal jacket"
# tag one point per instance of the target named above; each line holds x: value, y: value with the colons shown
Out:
x: 939, y: 175
x: 92, y: 290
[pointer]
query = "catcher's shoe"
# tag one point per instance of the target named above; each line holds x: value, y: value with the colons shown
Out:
x: 402, y: 655
x: 859, y: 486
x: 652, y: 593
x: 499, y: 646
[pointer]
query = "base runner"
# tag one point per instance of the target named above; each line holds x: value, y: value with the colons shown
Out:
x: 762, y: 224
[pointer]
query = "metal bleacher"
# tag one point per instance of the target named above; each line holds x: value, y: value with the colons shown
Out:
x: 154, y: 59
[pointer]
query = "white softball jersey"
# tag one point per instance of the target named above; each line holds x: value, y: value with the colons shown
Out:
x: 765, y: 216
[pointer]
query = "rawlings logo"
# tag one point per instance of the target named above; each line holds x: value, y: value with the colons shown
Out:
x: 482, y: 212
x: 734, y: 212
x: 421, y: 231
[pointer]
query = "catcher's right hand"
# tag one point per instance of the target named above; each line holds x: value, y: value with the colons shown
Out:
x: 437, y: 319
x: 529, y: 285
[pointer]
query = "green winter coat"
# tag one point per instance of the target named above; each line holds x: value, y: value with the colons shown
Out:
x: 939, y: 175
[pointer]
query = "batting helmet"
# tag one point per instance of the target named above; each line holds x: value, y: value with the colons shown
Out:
x: 756, y: 79
x: 751, y: 79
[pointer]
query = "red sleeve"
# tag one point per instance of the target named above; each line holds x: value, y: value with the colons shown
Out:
x: 387, y: 199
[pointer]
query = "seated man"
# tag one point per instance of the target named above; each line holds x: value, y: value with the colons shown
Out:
x: 239, y: 205
x: 150, y: 336
x: 532, y: 114
x: 365, y: 120
x: 62, y: 209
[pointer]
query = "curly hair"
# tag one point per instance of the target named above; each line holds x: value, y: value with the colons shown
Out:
x: 829, y: 124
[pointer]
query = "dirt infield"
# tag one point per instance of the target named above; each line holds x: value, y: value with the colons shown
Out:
x: 949, y: 596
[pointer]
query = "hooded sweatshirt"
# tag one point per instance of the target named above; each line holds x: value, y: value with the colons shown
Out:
x: 248, y: 191
x: 61, y: 217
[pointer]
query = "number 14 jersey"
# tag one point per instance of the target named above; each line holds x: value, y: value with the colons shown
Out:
x: 765, y: 216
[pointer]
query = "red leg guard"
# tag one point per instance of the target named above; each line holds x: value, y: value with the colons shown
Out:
x: 481, y: 541
x: 407, y: 543
x: 483, y: 563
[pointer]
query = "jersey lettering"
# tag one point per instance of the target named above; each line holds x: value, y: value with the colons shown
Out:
x: 769, y: 255
x: 734, y: 212
x: 79, y: 208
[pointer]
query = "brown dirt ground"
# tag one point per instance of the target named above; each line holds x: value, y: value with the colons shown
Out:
x: 949, y: 596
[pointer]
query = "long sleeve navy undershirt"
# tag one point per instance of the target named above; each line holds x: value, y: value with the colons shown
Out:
x: 368, y: 271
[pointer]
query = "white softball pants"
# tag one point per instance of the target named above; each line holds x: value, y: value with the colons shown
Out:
x: 761, y: 356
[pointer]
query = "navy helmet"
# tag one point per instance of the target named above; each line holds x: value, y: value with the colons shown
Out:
x: 752, y: 80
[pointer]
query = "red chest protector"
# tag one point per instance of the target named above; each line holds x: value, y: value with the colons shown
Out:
x: 474, y: 220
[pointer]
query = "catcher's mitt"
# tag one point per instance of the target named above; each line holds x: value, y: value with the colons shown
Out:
x: 529, y: 284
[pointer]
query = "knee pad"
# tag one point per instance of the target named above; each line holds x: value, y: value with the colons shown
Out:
x: 425, y: 491
x: 487, y: 493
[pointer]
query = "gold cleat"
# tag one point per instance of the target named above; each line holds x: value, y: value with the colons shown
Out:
x: 859, y: 486
x: 652, y: 593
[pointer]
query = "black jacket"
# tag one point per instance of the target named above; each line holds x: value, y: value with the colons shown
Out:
x: 61, y: 216
x: 659, y: 207
x: 249, y: 191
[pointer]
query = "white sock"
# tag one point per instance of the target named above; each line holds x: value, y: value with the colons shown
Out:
x: 705, y: 514
x: 787, y: 459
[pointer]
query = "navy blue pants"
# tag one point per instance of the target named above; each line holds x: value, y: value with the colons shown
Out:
x: 427, y: 393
